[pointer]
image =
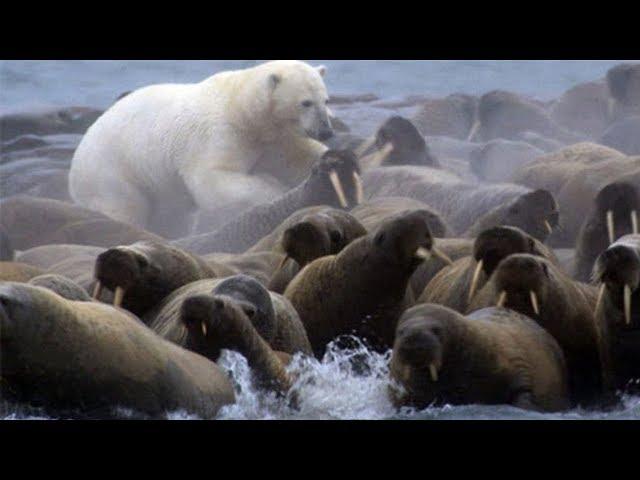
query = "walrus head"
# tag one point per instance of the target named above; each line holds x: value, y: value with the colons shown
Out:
x: 335, y: 180
x: 398, y: 142
x: 624, y: 85
x: 130, y: 273
x: 617, y: 206
x: 617, y: 270
x: 405, y: 238
x: 535, y: 212
x: 523, y: 283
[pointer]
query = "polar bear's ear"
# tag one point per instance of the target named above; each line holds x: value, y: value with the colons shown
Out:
x: 321, y: 70
x: 274, y: 80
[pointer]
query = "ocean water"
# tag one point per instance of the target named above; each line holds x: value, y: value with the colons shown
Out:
x: 99, y: 82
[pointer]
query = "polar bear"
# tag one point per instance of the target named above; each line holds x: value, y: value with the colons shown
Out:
x: 163, y: 150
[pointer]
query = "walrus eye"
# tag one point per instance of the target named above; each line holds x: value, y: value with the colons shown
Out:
x: 335, y: 236
x: 249, y: 311
x: 307, y: 103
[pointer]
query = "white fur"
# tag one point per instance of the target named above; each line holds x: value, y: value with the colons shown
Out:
x: 207, y: 136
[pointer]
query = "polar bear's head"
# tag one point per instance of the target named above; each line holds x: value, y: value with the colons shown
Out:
x: 298, y: 98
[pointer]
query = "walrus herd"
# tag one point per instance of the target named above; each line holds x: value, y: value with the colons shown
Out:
x: 490, y: 243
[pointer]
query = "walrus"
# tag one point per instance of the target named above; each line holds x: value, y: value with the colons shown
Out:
x: 314, y: 236
x: 617, y: 272
x: 452, y: 116
x: 497, y: 160
x: 143, y: 273
x: 583, y: 108
x: 623, y: 135
x: 624, y: 86
x: 334, y: 181
x: 31, y: 222
x: 492, y: 356
x: 215, y: 324
x: 259, y: 265
x: 63, y: 286
x: 535, y: 287
x: 363, y: 289
x: 372, y: 213
x: 397, y: 142
x: 462, y: 204
x: 456, y: 285
x: 86, y: 358
x: 18, y: 272
x: 45, y: 256
x: 273, y: 316
x: 502, y: 114
x: 614, y: 214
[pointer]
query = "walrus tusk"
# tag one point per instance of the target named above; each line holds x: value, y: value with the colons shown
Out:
x: 634, y: 221
x: 381, y: 155
x: 534, y: 302
x: 337, y: 186
x: 627, y: 304
x: 434, y: 372
x: 502, y: 298
x: 117, y: 299
x: 474, y: 129
x: 600, y: 298
x: 204, y: 329
x: 423, y: 253
x: 441, y: 255
x: 97, y: 290
x: 548, y: 225
x: 284, y: 260
x: 474, y: 280
x: 359, y: 190
x: 610, y: 226
x: 364, y: 146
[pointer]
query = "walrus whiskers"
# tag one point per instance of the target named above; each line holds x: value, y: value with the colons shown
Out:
x: 502, y: 298
x: 97, y: 290
x: 359, y: 189
x: 627, y: 304
x: 433, y: 371
x: 610, y: 226
x: 337, y: 186
x: 534, y: 302
x: 474, y: 280
x: 600, y: 298
x: 474, y: 129
x: 119, y: 295
x: 634, y: 221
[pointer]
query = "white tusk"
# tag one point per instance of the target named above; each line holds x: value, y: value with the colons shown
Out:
x: 117, y: 299
x: 204, y: 329
x: 548, y: 225
x: 337, y: 186
x: 474, y: 280
x: 610, y: 226
x: 434, y: 372
x: 381, y: 155
x: 474, y: 129
x: 634, y: 221
x: 364, y: 146
x: 627, y: 304
x: 359, y: 190
x: 600, y: 298
x: 502, y: 298
x: 534, y: 302
x: 423, y: 253
x: 441, y: 255
x: 97, y: 290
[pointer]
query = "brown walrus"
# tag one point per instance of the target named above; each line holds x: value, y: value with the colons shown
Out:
x: 614, y: 214
x: 617, y: 271
x: 313, y: 236
x: 31, y: 221
x: 492, y: 356
x: 535, y: 287
x: 18, y: 272
x: 451, y: 116
x: 456, y: 285
x: 142, y: 274
x: 363, y: 289
x: 273, y: 316
x: 85, y: 358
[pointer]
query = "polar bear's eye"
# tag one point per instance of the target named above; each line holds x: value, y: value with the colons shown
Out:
x: 307, y: 103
